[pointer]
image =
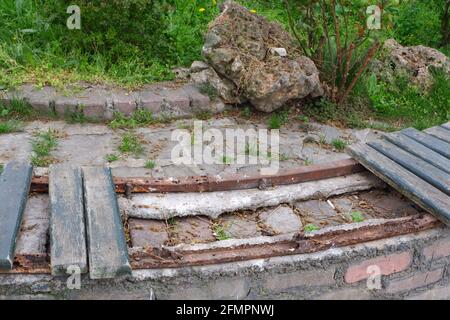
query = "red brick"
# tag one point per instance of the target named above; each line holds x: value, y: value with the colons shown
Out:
x: 416, y: 281
x: 388, y: 264
x: 438, y: 250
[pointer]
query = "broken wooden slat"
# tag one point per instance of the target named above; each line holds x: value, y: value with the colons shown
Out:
x: 419, y: 191
x: 439, y: 133
x: 107, y: 248
x: 14, y: 186
x: 67, y: 230
x: 419, y: 167
x: 431, y: 142
x: 419, y: 150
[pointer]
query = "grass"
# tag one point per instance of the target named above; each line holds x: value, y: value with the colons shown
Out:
x: 310, y: 228
x: 42, y: 145
x: 139, y: 118
x: 278, y: 119
x: 219, y: 232
x: 9, y: 126
x: 338, y: 144
x: 227, y: 160
x: 112, y: 157
x: 357, y: 216
x: 131, y: 144
x: 1, y: 168
x: 150, y: 164
x: 209, y: 90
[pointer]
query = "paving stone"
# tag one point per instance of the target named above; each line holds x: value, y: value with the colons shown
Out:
x: 240, y: 228
x: 35, y: 226
x: 148, y: 233
x: 15, y: 146
x: 85, y: 149
x: 192, y: 230
x: 150, y: 101
x: 199, y: 102
x: 125, y: 102
x: 317, y: 209
x: 39, y: 98
x: 343, y: 205
x: 281, y: 220
x: 176, y: 103
x: 388, y: 205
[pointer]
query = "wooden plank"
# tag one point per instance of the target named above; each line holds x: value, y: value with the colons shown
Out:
x: 67, y: 230
x: 414, y: 188
x: 419, y: 167
x: 14, y: 185
x: 419, y: 150
x: 429, y: 141
x: 439, y: 133
x: 107, y: 248
x: 446, y: 126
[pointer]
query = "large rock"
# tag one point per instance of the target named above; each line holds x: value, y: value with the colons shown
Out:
x: 412, y: 61
x: 248, y: 50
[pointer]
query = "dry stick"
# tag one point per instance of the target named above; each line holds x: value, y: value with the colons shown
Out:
x: 369, y: 56
x: 338, y: 34
x: 327, y: 35
x: 348, y: 59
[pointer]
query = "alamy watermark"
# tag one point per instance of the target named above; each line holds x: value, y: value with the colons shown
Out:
x: 231, y: 146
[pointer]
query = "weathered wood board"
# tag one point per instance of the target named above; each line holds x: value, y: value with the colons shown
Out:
x: 407, y: 183
x: 14, y: 186
x: 67, y: 227
x: 107, y: 248
x: 415, y: 165
x: 440, y: 133
x: 429, y: 141
x: 419, y: 150
x: 446, y: 126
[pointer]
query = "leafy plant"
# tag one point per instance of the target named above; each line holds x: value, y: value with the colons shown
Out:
x: 42, y: 145
x: 357, y: 216
x: 338, y: 144
x: 219, y: 232
x: 278, y: 119
x: 310, y: 227
x: 131, y: 144
x: 9, y: 126
x: 150, y: 164
x: 112, y: 157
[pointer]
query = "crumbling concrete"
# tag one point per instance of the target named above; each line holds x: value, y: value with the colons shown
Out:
x: 213, y: 204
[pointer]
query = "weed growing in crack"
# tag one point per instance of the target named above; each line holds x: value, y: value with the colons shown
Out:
x: 131, y: 144
x: 42, y: 145
x: 219, y: 232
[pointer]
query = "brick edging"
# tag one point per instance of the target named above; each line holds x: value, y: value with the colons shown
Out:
x: 168, y: 101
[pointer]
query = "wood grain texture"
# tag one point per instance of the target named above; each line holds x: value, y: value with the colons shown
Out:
x: 440, y: 133
x: 408, y: 184
x: 419, y: 150
x: 67, y: 227
x: 107, y: 248
x: 417, y: 166
x: 446, y: 126
x: 429, y: 141
x: 14, y: 185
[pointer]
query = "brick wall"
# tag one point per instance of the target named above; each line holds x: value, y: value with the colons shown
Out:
x: 407, y: 267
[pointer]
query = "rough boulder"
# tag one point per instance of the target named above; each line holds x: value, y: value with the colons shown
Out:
x: 257, y: 60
